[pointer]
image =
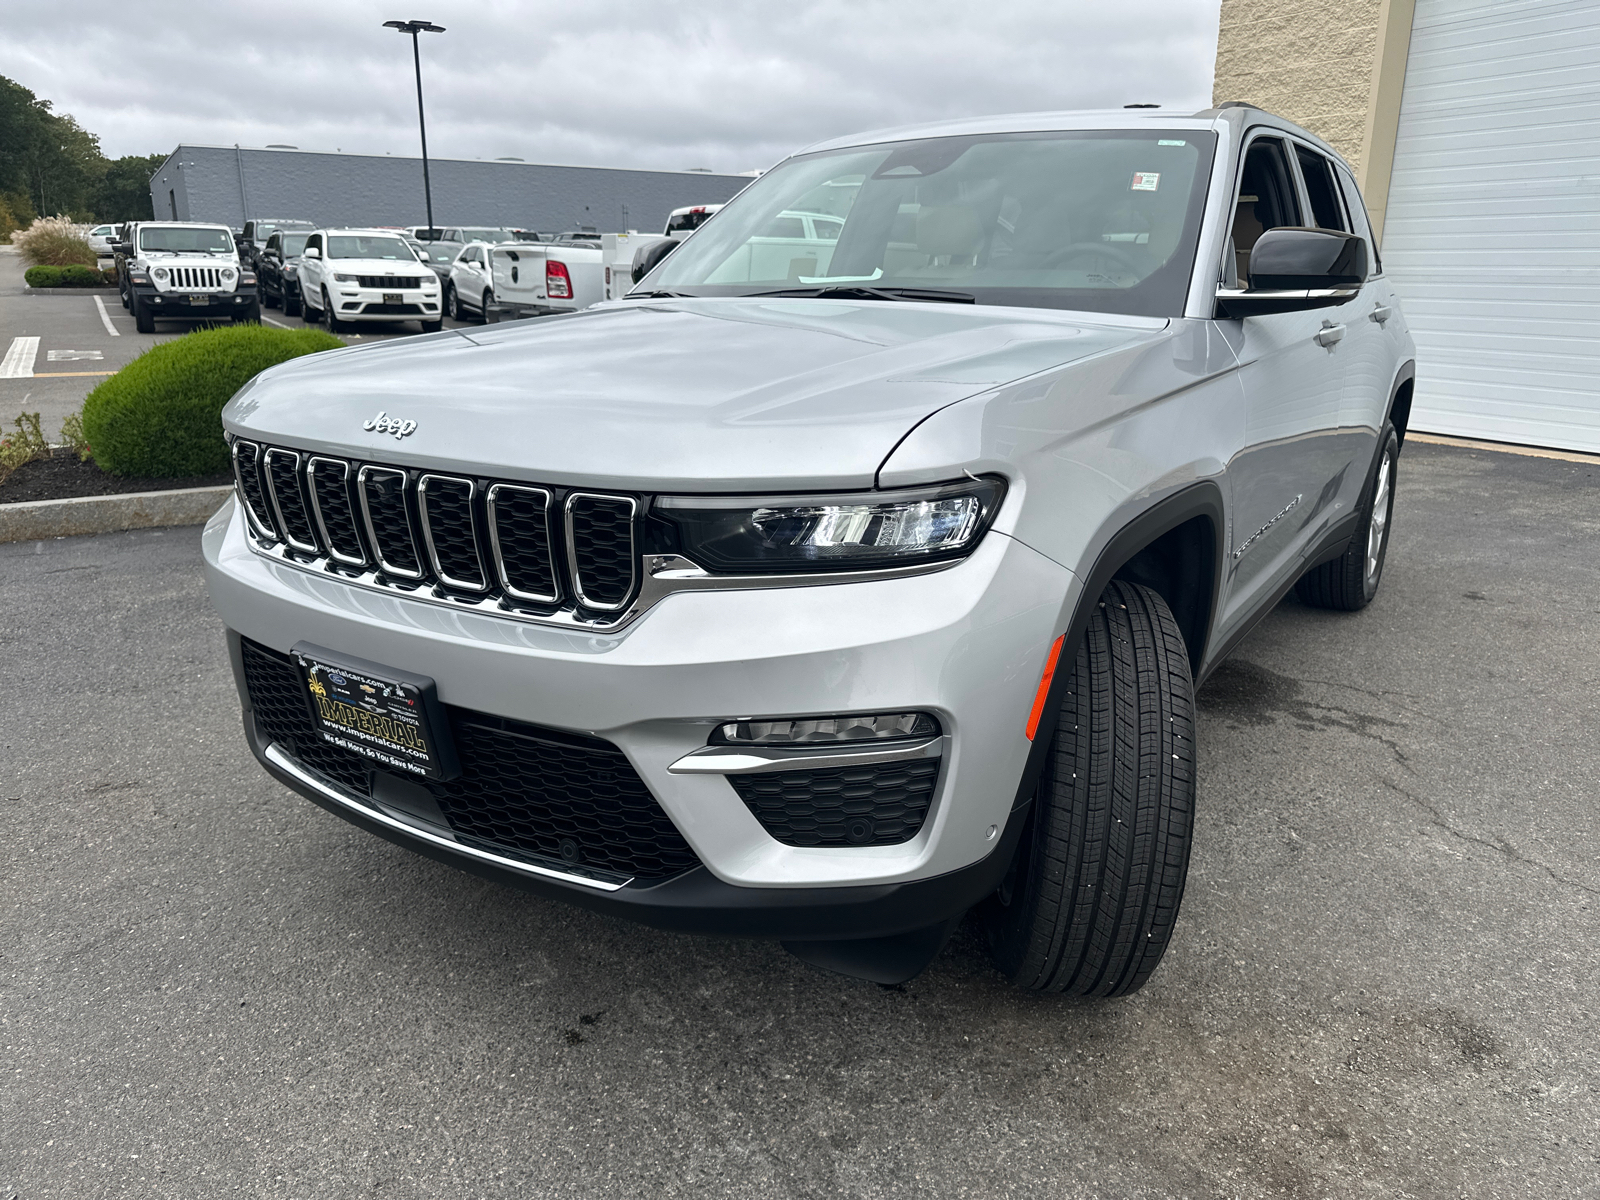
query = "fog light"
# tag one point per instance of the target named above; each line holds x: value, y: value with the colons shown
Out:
x: 811, y: 731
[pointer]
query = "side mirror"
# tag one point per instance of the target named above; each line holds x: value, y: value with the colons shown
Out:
x: 1292, y: 270
x: 649, y: 258
x: 312, y: 252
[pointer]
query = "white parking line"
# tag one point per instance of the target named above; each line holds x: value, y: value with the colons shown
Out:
x: 18, y: 362
x: 268, y: 320
x: 105, y: 317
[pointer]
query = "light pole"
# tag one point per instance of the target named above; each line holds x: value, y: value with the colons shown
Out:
x: 414, y: 27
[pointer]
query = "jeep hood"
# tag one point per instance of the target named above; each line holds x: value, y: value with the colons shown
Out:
x: 683, y: 395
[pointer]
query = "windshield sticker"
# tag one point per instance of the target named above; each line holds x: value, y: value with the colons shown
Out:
x: 1171, y: 142
x: 1145, y: 181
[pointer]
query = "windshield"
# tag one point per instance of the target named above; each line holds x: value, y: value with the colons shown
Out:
x: 375, y: 246
x: 294, y: 244
x: 185, y: 239
x: 486, y: 235
x: 1103, y: 220
x: 432, y: 251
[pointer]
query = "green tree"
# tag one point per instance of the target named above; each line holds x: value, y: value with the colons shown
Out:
x: 123, y: 190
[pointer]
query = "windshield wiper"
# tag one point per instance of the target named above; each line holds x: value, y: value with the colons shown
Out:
x: 658, y: 294
x: 856, y: 291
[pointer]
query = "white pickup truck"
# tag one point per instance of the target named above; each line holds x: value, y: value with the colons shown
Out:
x: 507, y: 281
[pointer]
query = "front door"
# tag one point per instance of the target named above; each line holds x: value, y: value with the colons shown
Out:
x: 1291, y: 467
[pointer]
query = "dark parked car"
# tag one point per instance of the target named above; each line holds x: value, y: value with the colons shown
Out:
x: 255, y: 235
x: 278, y: 270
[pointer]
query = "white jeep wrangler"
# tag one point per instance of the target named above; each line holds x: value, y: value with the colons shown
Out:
x: 183, y: 271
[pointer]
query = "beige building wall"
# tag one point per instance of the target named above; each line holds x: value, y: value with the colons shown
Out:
x: 1336, y: 67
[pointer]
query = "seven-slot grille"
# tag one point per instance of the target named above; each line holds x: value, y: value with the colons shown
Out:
x: 525, y: 547
x: 186, y: 279
x: 391, y: 282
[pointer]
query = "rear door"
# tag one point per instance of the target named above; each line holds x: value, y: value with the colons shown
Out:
x: 1288, y: 474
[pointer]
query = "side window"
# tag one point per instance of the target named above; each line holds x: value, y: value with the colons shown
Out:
x: 1321, y: 189
x: 1358, y: 218
x: 1267, y: 199
x: 314, y: 242
x: 272, y: 244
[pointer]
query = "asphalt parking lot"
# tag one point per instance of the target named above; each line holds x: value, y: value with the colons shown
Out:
x: 1383, y: 980
x: 83, y: 338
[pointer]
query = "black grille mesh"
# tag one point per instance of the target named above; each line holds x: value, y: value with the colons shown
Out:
x: 602, y: 547
x: 563, y: 800
x: 876, y: 805
x: 329, y: 481
x: 284, y: 471
x: 522, y: 527
x: 450, y: 525
x: 402, y: 283
x: 386, y: 504
x: 247, y: 469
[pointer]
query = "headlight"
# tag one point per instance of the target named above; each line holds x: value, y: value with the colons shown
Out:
x: 846, y: 532
x: 345, y: 278
x: 159, y: 272
x: 227, y: 273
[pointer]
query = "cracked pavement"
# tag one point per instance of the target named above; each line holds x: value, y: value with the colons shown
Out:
x: 1383, y: 979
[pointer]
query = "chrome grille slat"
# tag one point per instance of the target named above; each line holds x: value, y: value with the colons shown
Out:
x: 600, y: 549
x: 247, y: 475
x: 281, y: 469
x: 328, y: 484
x: 383, y: 509
x: 452, y: 539
x: 519, y: 534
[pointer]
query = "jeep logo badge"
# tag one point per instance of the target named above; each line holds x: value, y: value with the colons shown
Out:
x: 383, y: 423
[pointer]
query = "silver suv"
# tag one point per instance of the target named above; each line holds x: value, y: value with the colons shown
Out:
x: 829, y: 595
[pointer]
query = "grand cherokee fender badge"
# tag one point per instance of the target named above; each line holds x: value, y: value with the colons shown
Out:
x: 383, y: 423
x: 1239, y: 553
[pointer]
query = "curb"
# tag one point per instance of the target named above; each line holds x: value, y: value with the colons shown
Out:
x: 34, y: 520
x: 69, y: 291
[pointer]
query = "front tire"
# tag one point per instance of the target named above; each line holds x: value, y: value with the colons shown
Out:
x: 250, y: 316
x: 143, y: 320
x: 1349, y: 582
x: 452, y: 306
x: 268, y: 300
x: 328, y: 314
x: 484, y: 304
x: 1092, y: 896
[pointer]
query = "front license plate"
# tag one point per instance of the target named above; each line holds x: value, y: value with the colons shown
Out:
x: 199, y: 299
x: 393, y: 298
x: 391, y: 717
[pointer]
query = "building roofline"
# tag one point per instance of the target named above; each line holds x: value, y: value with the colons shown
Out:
x: 181, y: 146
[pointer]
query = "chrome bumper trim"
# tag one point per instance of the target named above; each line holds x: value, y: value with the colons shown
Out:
x: 288, y: 765
x: 759, y: 760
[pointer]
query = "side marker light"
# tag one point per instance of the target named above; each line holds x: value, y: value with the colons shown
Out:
x: 1044, y: 686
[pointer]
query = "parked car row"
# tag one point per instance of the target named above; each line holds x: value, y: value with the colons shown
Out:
x: 194, y: 271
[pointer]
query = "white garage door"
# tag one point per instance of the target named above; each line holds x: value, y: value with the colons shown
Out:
x: 1492, y: 235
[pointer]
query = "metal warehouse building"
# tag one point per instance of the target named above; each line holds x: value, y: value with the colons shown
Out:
x: 230, y: 184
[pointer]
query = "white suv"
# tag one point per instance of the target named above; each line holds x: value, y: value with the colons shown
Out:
x: 366, y: 275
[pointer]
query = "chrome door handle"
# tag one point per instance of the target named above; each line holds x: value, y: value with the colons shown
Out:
x: 1380, y: 314
x: 1329, y: 334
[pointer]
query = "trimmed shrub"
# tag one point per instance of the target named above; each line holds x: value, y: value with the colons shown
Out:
x: 42, y: 276
x: 161, y: 415
x: 55, y: 242
x: 76, y: 276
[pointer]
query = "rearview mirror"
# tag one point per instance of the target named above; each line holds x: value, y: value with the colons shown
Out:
x: 1292, y: 270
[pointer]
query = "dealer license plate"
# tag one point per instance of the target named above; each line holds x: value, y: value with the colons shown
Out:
x: 393, y: 298
x: 199, y: 299
x: 388, y: 716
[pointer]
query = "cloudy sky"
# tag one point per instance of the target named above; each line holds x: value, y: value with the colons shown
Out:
x: 725, y: 84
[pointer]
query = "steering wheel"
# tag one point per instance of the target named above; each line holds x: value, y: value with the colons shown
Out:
x: 1084, y: 250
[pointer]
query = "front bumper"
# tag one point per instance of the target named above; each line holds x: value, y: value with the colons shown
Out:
x: 967, y: 644
x: 368, y: 304
x: 196, y: 306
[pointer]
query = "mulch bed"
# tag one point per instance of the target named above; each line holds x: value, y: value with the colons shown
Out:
x: 62, y: 476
